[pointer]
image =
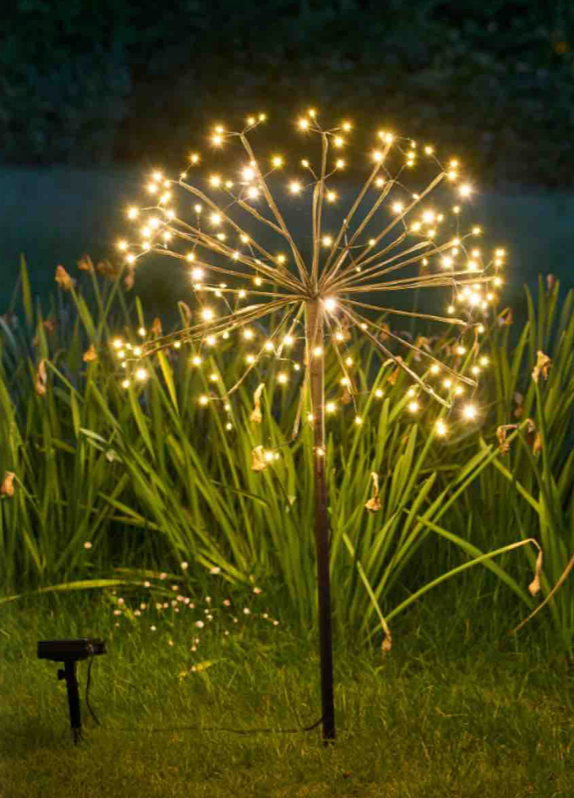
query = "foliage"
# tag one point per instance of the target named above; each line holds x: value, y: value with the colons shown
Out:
x: 144, y: 478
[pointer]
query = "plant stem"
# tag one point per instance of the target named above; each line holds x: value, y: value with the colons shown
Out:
x: 316, y: 371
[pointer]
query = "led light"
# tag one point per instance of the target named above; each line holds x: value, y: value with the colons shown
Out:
x: 469, y: 412
x: 203, y: 400
x: 207, y: 314
x: 440, y: 427
x: 330, y: 303
x: 141, y: 374
x: 330, y: 407
x: 413, y: 406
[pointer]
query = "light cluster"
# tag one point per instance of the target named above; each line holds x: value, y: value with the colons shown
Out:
x: 389, y: 239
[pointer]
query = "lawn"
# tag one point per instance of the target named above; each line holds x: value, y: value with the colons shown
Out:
x: 456, y: 708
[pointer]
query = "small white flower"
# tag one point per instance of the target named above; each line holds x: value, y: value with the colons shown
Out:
x: 199, y: 624
x: 163, y: 576
x: 215, y: 570
x: 184, y: 566
x: 257, y: 590
x: 153, y: 628
x: 227, y: 603
x: 87, y: 545
x: 247, y: 611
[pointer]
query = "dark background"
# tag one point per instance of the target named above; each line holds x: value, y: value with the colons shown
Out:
x: 101, y: 83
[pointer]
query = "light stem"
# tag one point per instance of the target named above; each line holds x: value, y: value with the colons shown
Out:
x: 316, y: 371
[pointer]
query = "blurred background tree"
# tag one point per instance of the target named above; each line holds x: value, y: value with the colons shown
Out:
x: 95, y: 82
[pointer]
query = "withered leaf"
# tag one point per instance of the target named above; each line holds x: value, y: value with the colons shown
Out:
x: 543, y: 364
x: 63, y: 279
x: 259, y: 462
x: 256, y: 416
x: 41, y: 378
x: 108, y: 269
x: 129, y: 279
x: 50, y: 325
x: 85, y: 264
x: 90, y: 355
x: 7, y: 487
x: 374, y: 503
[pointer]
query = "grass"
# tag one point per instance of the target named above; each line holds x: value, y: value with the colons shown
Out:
x: 455, y: 709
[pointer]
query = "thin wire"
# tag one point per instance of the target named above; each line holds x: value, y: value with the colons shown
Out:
x: 78, y: 734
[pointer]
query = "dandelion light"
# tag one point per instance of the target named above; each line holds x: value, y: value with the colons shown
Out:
x: 317, y: 292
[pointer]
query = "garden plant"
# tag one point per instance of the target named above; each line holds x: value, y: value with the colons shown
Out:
x: 159, y: 467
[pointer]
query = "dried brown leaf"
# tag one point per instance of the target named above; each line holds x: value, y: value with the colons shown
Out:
x: 41, y: 378
x: 90, y: 355
x: 63, y: 279
x: 7, y: 487
x: 85, y: 264
x: 543, y: 364
x: 259, y: 462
